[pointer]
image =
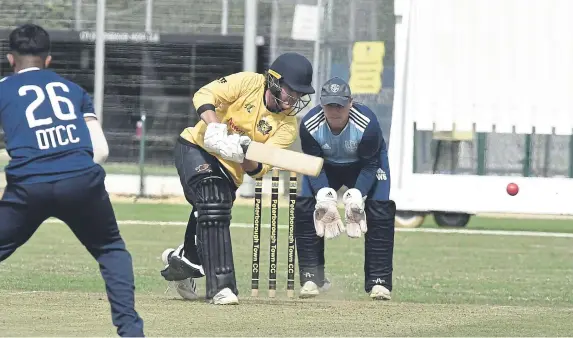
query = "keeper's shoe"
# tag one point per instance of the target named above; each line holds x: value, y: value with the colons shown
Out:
x: 380, y: 292
x: 310, y: 289
x: 225, y: 297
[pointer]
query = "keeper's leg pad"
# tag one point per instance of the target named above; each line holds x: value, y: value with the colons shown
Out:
x: 379, y: 244
x: 309, y: 247
x: 214, y: 202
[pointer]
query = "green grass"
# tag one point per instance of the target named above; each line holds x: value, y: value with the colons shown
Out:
x: 244, y: 214
x: 134, y: 169
x: 121, y: 168
x: 444, y: 285
x: 509, y: 224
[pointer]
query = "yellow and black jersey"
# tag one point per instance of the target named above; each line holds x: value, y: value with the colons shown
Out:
x: 238, y: 102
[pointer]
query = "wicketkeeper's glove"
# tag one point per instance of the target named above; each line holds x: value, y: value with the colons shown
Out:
x: 327, y: 220
x: 355, y: 217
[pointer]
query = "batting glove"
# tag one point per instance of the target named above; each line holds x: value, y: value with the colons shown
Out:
x: 232, y: 148
x: 355, y: 217
x: 327, y: 221
x: 215, y: 136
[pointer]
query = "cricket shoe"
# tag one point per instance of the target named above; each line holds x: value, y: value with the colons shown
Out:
x: 186, y: 288
x: 225, y: 297
x: 178, y: 267
x: 310, y: 289
x: 380, y: 292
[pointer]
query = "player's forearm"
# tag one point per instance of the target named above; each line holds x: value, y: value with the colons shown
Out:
x: 99, y: 142
x: 209, y: 116
x: 319, y: 182
x: 250, y: 166
x: 366, y: 179
x: 253, y: 168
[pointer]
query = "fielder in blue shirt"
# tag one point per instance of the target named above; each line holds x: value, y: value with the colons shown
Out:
x: 55, y: 145
x: 347, y: 135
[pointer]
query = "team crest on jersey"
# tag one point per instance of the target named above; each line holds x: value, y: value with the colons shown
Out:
x: 249, y: 107
x: 351, y: 145
x: 264, y: 127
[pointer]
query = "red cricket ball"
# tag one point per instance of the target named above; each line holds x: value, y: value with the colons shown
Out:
x: 512, y: 189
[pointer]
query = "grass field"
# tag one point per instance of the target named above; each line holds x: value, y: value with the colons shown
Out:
x: 444, y: 284
x: 117, y: 168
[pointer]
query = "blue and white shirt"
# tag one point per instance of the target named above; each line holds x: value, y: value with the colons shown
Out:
x: 358, y: 144
x: 43, y: 117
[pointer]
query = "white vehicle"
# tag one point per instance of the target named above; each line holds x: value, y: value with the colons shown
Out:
x: 500, y: 74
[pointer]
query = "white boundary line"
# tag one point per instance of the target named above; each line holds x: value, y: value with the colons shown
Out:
x: 423, y: 230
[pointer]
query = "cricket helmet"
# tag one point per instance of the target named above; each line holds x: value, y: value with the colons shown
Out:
x: 294, y: 71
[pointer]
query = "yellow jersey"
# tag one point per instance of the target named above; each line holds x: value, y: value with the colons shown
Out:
x: 238, y: 101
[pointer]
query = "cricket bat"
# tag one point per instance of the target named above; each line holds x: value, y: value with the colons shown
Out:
x: 284, y: 159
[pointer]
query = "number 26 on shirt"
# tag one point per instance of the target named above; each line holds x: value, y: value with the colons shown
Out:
x: 54, y: 136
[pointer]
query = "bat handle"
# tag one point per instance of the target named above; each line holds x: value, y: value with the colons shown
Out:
x: 245, y: 148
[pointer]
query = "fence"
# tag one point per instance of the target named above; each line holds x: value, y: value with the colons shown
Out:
x: 157, y: 79
x: 445, y: 38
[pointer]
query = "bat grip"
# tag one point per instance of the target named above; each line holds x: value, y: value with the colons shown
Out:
x: 245, y: 148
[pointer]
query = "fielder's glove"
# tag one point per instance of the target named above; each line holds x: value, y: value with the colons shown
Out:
x: 355, y: 217
x: 327, y: 220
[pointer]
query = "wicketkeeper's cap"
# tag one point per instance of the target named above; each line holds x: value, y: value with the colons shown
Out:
x: 335, y: 91
x: 295, y: 70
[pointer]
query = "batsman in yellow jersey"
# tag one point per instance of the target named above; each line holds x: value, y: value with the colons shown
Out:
x: 210, y: 160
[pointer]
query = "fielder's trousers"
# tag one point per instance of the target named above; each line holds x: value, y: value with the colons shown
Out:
x: 82, y: 202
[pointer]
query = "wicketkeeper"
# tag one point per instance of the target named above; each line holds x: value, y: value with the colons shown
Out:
x: 349, y: 138
x: 211, y: 164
